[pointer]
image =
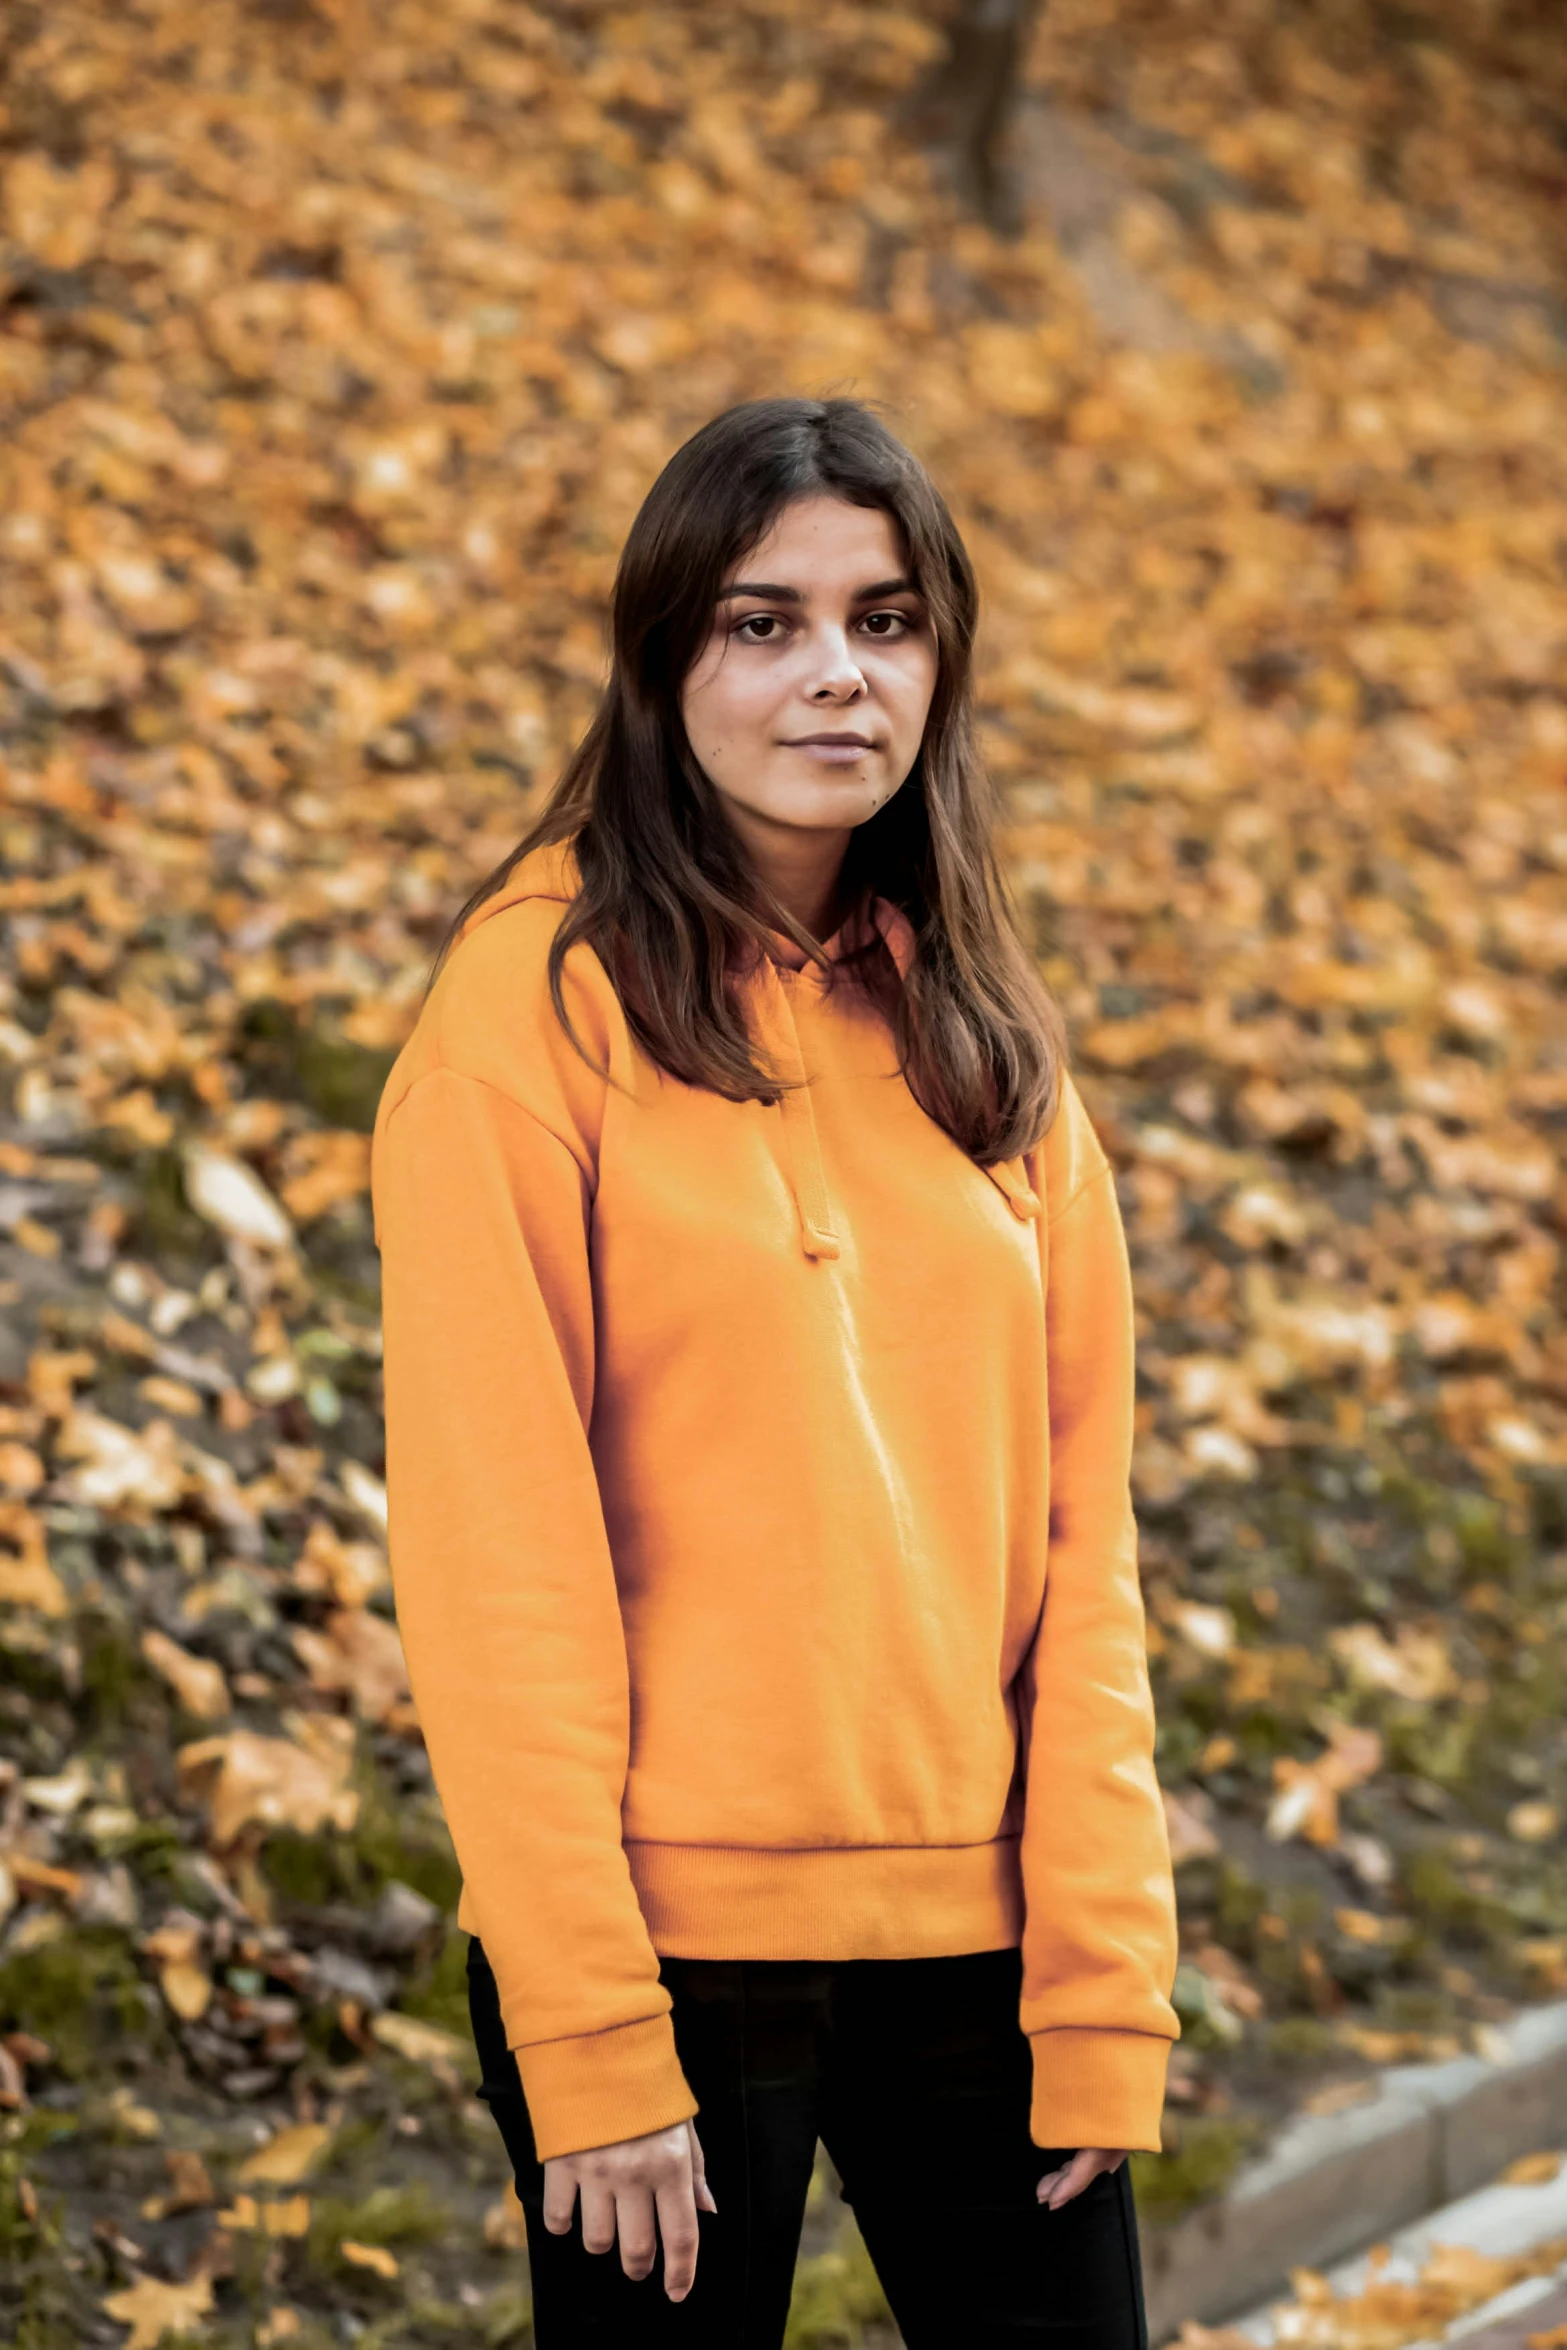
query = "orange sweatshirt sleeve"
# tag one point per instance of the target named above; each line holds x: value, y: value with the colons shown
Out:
x: 506, y: 1595
x: 1099, y: 1937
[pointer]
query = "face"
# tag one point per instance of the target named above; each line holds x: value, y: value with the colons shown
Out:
x: 807, y: 705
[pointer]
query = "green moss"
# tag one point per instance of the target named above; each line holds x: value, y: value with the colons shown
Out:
x: 389, y: 2216
x: 387, y: 1842
x: 166, y: 1223
x: 1488, y: 1549
x: 440, y: 1994
x: 1203, y: 2155
x: 1441, y: 1900
x: 83, y: 1994
x: 303, y: 1869
x: 317, y: 1065
x: 390, y: 1841
x: 1300, y: 2041
x: 836, y: 2296
x: 119, y: 1689
x: 508, y: 2317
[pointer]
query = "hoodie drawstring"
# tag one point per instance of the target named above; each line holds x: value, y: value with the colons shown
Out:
x: 797, y: 1116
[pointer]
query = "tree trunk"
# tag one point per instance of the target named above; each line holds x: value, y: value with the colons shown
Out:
x: 965, y: 105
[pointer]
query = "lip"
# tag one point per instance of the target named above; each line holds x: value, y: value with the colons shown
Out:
x: 831, y: 742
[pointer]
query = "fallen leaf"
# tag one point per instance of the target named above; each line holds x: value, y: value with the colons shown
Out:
x: 275, y: 1782
x: 374, y: 2257
x: 152, y: 2308
x: 1188, y: 1824
x: 505, y: 2228
x: 190, y: 2189
x: 246, y: 2216
x: 227, y: 1193
x: 360, y: 1654
x: 1532, y: 2170
x: 197, y: 1682
x: 419, y: 2042
x: 286, y: 2158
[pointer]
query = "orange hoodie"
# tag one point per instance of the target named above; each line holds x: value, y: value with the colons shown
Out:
x: 761, y: 1531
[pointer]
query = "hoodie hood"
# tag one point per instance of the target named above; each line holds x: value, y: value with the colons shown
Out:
x: 771, y: 980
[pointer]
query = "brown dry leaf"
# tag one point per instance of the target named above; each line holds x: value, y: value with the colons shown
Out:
x: 374, y: 2257
x: 1188, y: 1822
x: 196, y: 1681
x: 1532, y: 2170
x: 359, y: 1653
x: 505, y: 2228
x: 21, y: 1470
x: 298, y: 1782
x: 123, y: 1468
x: 350, y: 1572
x: 28, y: 1580
x: 1415, y: 1664
x: 246, y: 2216
x: 1307, y: 1800
x: 152, y: 2308
x: 190, y: 2189
x: 321, y: 1170
x: 419, y: 2042
x: 1534, y: 1822
x: 286, y: 2158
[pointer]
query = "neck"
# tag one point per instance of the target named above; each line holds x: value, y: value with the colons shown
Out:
x: 801, y: 869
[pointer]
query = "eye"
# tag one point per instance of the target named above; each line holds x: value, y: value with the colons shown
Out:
x: 758, y: 628
x: 886, y: 625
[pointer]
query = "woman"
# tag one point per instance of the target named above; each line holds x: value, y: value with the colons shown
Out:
x: 759, y: 1405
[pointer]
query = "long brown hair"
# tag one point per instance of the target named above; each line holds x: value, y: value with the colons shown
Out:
x: 670, y: 899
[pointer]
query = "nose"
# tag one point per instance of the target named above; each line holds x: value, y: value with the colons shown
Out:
x: 835, y: 675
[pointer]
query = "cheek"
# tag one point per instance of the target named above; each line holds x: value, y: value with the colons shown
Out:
x: 722, y: 702
x: 910, y: 690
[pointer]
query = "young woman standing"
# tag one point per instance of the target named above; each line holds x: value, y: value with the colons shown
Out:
x: 759, y: 1405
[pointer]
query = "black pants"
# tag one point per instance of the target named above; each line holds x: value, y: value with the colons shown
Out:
x: 915, y: 2074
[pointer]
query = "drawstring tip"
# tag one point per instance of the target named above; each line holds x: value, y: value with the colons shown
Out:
x: 819, y: 1244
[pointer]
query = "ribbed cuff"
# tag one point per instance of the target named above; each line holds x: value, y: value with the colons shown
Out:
x: 603, y: 2087
x: 1094, y: 2088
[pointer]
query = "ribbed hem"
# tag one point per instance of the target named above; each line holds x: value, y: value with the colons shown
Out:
x: 1095, y: 2088
x: 603, y: 2087
x: 876, y: 1901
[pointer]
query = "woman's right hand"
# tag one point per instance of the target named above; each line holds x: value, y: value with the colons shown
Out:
x: 622, y: 2187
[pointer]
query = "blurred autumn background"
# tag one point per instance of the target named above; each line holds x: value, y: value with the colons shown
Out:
x: 338, y: 346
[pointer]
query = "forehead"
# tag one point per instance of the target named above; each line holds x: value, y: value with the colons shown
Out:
x: 822, y: 540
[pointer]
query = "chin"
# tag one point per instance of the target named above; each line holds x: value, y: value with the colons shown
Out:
x: 825, y: 803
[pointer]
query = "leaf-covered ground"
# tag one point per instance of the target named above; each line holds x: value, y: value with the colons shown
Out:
x: 337, y: 347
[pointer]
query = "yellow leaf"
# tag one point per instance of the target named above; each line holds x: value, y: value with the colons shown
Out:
x: 420, y: 2043
x: 196, y: 1681
x: 1533, y: 2170
x: 276, y: 1782
x: 248, y: 2217
x: 372, y: 2256
x: 285, y: 2159
x: 505, y: 2229
x: 187, y: 1988
x: 152, y: 2308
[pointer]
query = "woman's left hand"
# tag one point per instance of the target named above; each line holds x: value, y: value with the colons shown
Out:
x: 1059, y: 2186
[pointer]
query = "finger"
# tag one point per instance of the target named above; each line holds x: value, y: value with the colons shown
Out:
x: 598, y: 2216
x: 677, y: 2226
x: 1079, y: 2173
x: 638, y: 2236
x: 560, y: 2198
x: 704, y: 2193
x: 1047, y: 2182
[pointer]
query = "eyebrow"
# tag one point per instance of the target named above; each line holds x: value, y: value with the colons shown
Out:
x: 774, y: 594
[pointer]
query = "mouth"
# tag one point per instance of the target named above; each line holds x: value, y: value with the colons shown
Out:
x: 831, y: 742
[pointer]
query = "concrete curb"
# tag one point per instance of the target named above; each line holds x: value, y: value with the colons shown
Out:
x: 1333, y: 2183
